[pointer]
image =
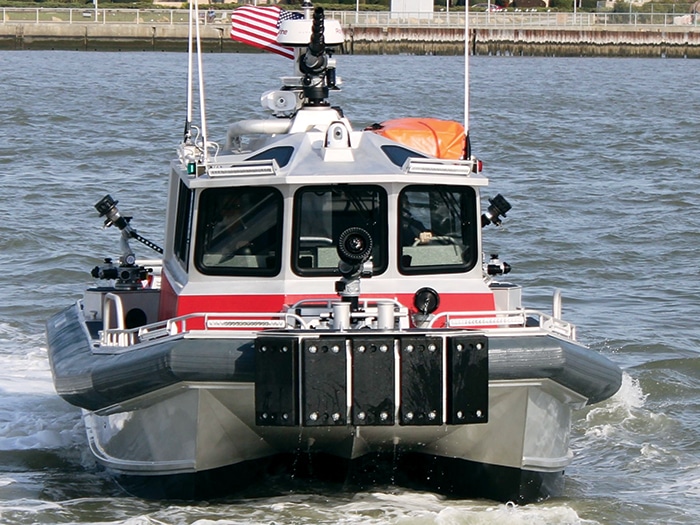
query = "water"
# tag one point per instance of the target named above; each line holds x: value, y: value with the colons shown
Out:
x: 599, y: 158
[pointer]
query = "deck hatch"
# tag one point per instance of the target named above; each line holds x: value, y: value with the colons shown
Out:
x: 421, y: 381
x: 467, y: 379
x: 324, y: 381
x: 373, y: 373
x: 276, y: 383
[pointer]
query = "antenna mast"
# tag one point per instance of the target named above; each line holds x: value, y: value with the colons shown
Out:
x: 188, y: 121
x: 467, y: 143
x: 194, y: 22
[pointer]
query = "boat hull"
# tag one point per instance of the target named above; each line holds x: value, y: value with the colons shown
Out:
x: 187, y: 435
x: 177, y: 418
x: 300, y: 472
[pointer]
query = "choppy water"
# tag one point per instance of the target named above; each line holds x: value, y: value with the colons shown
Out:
x: 599, y: 158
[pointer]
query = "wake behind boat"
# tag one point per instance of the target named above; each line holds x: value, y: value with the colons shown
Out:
x: 322, y: 309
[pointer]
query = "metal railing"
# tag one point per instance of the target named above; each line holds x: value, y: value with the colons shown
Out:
x: 493, y: 321
x: 207, y: 324
x: 237, y: 324
x: 503, y: 19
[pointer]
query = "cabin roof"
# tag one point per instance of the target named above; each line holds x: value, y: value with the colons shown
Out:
x: 312, y: 156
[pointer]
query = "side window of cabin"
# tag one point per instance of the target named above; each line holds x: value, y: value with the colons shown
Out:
x: 322, y: 213
x: 183, y: 223
x: 239, y: 231
x: 437, y: 229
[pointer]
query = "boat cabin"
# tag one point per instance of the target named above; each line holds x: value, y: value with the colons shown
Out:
x: 259, y: 230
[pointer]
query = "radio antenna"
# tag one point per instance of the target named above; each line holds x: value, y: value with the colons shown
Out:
x: 194, y: 42
x: 467, y: 40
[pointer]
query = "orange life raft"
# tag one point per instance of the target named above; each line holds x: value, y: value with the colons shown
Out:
x: 443, y: 139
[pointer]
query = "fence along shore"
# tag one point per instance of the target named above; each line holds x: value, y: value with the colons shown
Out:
x: 439, y: 33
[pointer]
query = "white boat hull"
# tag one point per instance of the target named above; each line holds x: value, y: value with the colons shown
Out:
x: 197, y: 427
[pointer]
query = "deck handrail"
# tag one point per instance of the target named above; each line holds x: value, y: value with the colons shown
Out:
x: 211, y: 324
x: 494, y: 320
x: 205, y: 323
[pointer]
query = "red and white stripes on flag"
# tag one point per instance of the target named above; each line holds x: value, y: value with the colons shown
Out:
x: 258, y: 27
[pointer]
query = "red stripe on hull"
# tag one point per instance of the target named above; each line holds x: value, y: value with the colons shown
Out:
x: 172, y: 305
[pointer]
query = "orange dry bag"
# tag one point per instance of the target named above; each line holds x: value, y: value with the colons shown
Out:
x: 443, y: 139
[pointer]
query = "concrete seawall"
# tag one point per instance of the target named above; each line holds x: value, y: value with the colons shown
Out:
x: 111, y: 37
x: 608, y: 41
x: 668, y: 42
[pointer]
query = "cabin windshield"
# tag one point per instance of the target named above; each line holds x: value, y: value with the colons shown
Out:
x: 437, y: 229
x: 239, y: 231
x: 322, y: 213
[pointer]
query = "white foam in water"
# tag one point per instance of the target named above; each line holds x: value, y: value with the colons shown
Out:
x: 630, y: 393
x: 38, y: 422
x: 41, y: 431
x: 142, y: 520
x: 626, y: 404
x: 687, y: 482
x: 510, y: 514
x: 24, y: 365
x: 34, y: 417
x: 404, y: 508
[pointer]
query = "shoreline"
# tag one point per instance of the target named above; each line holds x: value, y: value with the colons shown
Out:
x: 607, y: 41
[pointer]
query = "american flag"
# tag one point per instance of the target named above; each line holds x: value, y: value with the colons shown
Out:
x: 258, y: 26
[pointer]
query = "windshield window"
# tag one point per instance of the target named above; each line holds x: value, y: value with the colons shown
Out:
x: 183, y: 224
x: 239, y: 231
x: 322, y: 213
x: 437, y: 229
